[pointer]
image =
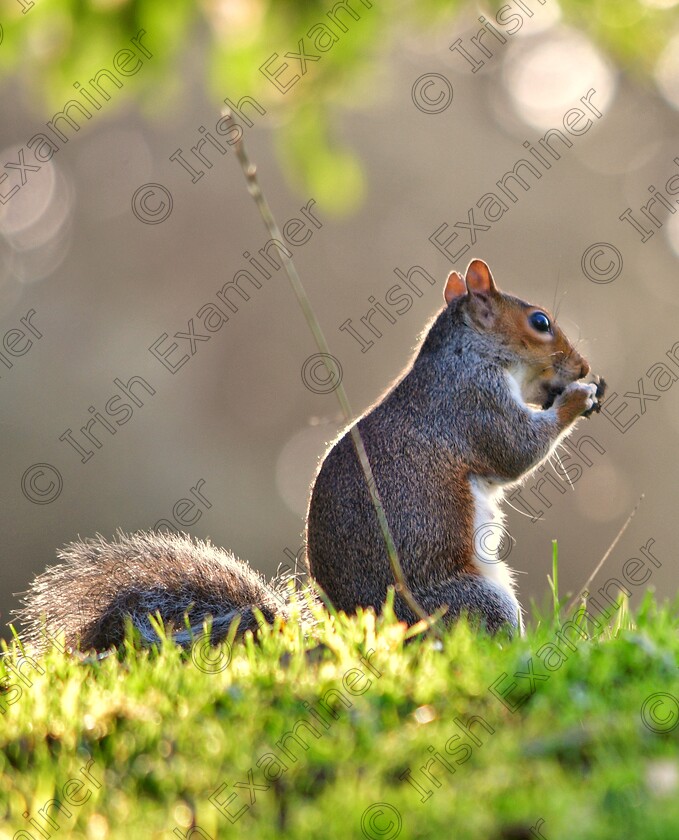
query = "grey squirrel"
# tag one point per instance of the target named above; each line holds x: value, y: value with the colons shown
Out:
x: 491, y: 389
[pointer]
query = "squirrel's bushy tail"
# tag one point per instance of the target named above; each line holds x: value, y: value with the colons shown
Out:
x: 98, y: 584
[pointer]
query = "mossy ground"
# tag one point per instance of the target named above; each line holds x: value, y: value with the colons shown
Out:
x: 163, y: 740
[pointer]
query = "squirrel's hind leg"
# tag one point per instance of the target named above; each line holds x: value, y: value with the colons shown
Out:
x: 471, y: 594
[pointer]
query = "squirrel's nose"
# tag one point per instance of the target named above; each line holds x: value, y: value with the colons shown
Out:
x: 584, y: 369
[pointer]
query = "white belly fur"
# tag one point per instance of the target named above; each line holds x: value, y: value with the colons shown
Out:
x: 488, y: 534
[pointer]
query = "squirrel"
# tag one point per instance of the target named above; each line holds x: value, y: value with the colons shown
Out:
x: 492, y: 388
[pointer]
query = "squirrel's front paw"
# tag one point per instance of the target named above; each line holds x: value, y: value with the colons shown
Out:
x: 601, y: 386
x: 576, y: 399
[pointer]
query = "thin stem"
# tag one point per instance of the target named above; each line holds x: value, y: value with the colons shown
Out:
x: 255, y: 190
x: 605, y: 557
x: 554, y: 581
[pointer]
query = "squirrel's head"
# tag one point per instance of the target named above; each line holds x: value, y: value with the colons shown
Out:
x: 531, y: 343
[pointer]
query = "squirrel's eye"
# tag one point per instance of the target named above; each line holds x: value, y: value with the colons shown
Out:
x: 540, y: 322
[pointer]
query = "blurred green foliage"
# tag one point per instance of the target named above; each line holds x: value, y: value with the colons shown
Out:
x: 47, y: 45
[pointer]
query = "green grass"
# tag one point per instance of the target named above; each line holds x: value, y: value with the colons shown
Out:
x: 166, y: 735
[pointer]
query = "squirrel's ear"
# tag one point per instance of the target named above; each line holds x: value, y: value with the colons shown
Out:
x: 455, y: 286
x: 478, y: 278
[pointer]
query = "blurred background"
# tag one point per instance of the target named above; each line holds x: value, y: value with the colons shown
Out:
x: 384, y: 134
